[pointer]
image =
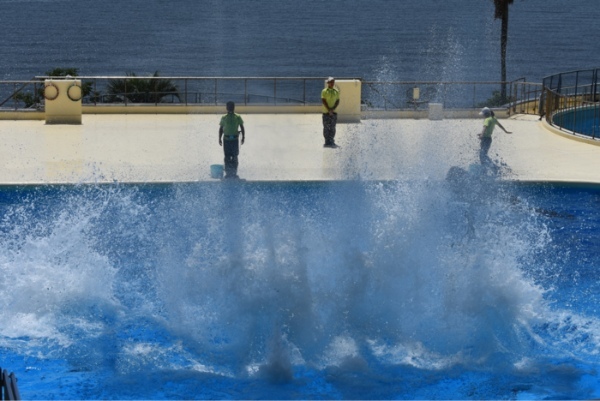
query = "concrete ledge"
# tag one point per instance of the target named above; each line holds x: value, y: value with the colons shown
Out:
x: 247, y: 109
x: 424, y: 114
x: 570, y: 135
x: 197, y: 109
x: 25, y: 115
x: 394, y: 114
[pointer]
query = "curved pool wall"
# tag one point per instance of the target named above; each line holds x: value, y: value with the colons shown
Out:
x: 580, y: 120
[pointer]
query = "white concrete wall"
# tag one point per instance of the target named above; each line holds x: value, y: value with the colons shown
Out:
x: 350, y: 95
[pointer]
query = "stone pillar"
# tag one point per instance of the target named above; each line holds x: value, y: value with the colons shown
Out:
x: 350, y: 95
x: 63, y: 101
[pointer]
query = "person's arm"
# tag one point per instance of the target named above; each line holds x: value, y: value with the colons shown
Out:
x: 337, y: 102
x: 503, y: 129
x: 220, y: 135
x: 330, y: 109
x: 243, y: 133
x: 482, y: 131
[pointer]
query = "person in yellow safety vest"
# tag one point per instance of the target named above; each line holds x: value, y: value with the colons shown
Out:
x: 486, y: 134
x: 330, y: 97
x: 229, y: 129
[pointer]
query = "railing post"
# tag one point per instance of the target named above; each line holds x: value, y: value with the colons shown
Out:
x: 594, y: 120
x: 511, y: 98
x: 156, y: 93
x: 514, y: 94
x: 9, y: 389
x: 445, y: 89
x: 304, y: 92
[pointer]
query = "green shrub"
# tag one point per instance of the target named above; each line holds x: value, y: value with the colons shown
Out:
x: 141, y: 90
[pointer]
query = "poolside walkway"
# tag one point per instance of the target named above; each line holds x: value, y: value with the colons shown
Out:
x: 284, y: 147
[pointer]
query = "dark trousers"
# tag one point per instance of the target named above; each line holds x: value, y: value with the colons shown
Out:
x: 329, y: 122
x: 231, y: 148
x: 486, y: 142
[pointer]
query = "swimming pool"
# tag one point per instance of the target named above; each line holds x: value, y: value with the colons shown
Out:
x: 459, y: 289
x: 583, y: 120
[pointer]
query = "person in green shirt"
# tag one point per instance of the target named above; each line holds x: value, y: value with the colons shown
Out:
x: 485, y: 136
x: 330, y: 97
x: 229, y: 129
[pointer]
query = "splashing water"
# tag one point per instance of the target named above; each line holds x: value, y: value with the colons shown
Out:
x: 287, y: 290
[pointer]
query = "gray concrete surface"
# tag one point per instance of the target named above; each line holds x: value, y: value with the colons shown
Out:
x: 181, y: 148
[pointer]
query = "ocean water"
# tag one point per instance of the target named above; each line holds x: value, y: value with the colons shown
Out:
x: 401, y: 40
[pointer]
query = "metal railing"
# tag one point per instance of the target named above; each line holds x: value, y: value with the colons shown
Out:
x: 570, y: 102
x: 376, y: 95
x: 21, y: 94
x: 173, y: 90
x: 8, y: 386
x: 522, y: 96
x: 525, y: 97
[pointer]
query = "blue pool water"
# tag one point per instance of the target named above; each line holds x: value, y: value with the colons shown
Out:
x: 584, y: 121
x: 459, y: 289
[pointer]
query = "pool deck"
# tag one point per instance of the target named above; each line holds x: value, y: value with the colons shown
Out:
x: 281, y: 147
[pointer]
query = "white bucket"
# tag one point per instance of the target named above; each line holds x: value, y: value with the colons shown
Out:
x: 436, y: 111
x: 216, y: 171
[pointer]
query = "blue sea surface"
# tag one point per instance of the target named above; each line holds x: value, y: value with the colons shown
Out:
x: 404, y: 40
x: 460, y: 289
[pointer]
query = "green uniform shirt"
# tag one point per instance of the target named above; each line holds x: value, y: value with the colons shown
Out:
x: 489, y: 124
x: 231, y: 123
x: 331, y: 96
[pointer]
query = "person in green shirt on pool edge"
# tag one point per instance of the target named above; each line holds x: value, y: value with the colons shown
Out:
x: 330, y: 97
x: 485, y: 136
x: 230, y: 127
